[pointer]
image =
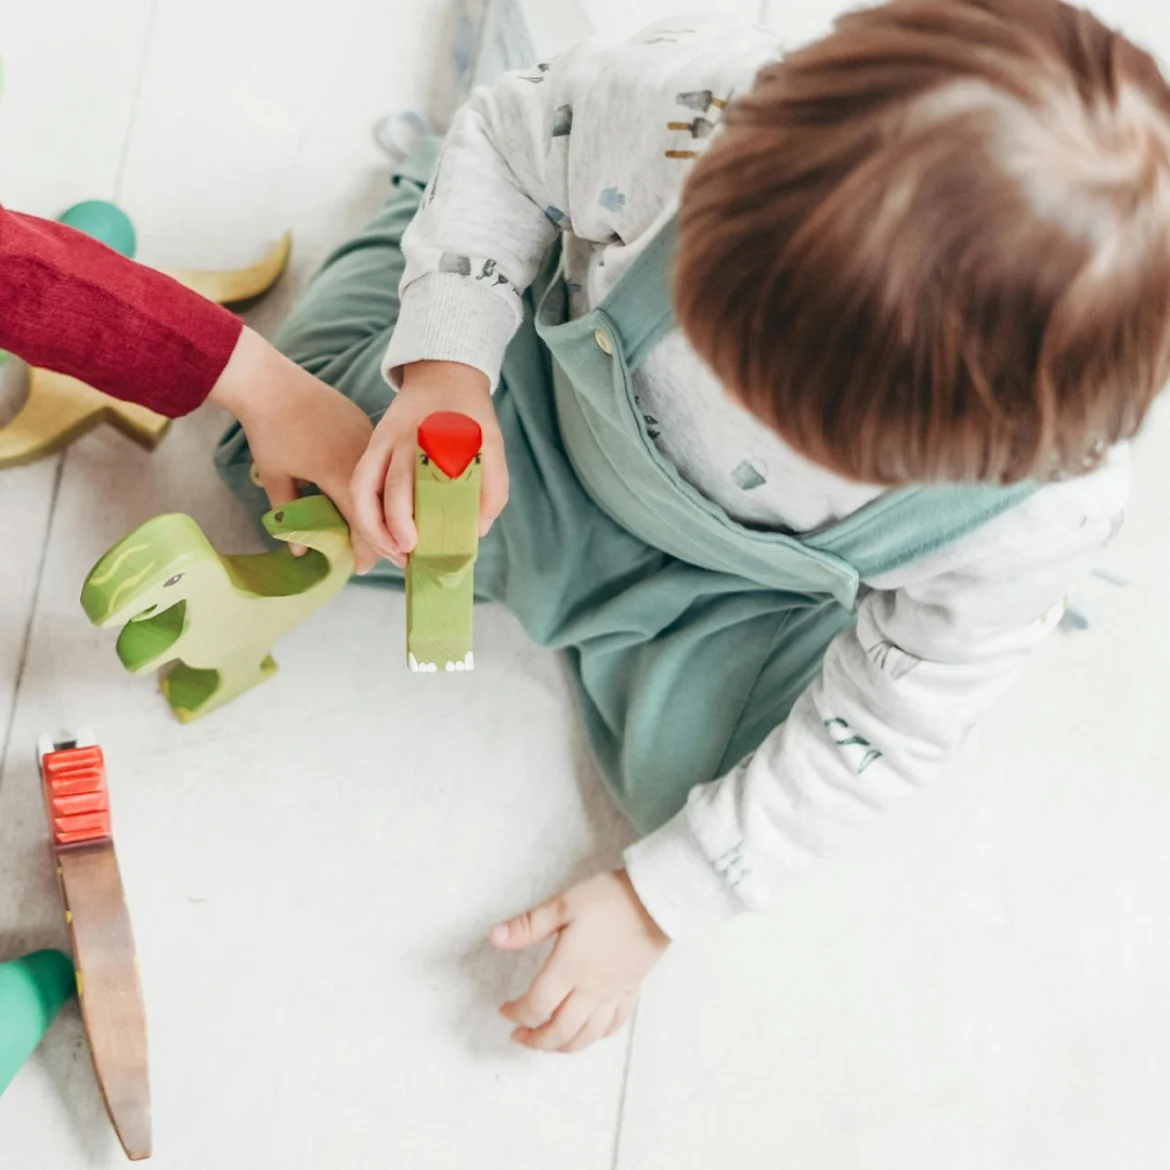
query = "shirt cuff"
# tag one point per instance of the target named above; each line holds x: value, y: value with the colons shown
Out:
x: 444, y: 318
x: 677, y: 883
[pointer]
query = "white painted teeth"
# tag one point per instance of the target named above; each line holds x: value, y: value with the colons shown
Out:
x: 467, y: 663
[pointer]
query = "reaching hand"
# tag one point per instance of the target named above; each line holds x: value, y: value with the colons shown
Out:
x: 606, y: 945
x: 383, y: 484
x: 300, y: 430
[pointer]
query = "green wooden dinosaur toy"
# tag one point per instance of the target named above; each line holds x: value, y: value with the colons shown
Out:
x: 215, y: 616
x: 440, y: 586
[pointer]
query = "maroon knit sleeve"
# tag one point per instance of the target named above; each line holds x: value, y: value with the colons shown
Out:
x: 68, y: 303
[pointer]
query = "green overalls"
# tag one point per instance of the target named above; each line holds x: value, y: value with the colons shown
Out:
x: 689, y: 636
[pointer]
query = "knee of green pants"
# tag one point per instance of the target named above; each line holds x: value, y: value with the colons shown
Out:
x: 233, y: 462
x: 647, y: 785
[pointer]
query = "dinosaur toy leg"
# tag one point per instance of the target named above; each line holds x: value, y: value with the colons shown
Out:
x: 193, y: 692
x: 439, y: 617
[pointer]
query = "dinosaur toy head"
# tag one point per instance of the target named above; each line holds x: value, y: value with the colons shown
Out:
x: 448, y: 447
x: 313, y: 521
x: 151, y: 570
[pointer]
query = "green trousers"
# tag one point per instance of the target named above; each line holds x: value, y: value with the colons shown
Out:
x: 689, y: 637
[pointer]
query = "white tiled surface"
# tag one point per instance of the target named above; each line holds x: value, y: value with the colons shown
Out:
x: 981, y: 983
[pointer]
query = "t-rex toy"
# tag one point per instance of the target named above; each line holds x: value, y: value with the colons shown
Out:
x: 216, y: 616
x: 60, y: 409
x: 440, y: 587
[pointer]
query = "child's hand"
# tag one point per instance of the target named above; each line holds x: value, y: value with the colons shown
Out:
x: 383, y: 484
x: 299, y: 429
x: 607, y: 943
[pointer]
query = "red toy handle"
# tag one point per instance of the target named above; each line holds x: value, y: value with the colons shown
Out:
x: 76, y: 795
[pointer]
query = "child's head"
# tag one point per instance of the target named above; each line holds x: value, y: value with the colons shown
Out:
x: 936, y: 244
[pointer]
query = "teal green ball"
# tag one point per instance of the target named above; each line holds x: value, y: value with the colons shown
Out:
x: 104, y: 222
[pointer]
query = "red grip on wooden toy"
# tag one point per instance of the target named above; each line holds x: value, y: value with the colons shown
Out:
x: 76, y: 795
x: 451, y: 440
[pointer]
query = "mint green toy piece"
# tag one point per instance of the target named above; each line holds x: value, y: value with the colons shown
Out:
x: 32, y: 992
x: 104, y: 221
x: 440, y: 584
x: 216, y: 617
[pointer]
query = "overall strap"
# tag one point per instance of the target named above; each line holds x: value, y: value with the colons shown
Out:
x: 639, y: 306
x: 904, y: 525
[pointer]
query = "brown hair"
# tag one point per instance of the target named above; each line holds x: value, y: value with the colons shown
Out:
x: 936, y: 244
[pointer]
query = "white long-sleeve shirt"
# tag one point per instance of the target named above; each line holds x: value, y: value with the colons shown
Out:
x: 596, y: 145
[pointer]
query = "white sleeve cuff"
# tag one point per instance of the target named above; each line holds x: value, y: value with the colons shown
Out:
x: 677, y: 883
x: 444, y: 318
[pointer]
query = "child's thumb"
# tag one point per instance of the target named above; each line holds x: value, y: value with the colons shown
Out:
x: 364, y: 557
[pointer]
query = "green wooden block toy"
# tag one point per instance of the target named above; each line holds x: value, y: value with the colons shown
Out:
x: 32, y: 991
x: 215, y: 616
x: 440, y: 586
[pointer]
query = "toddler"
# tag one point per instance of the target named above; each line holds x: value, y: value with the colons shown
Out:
x: 808, y: 382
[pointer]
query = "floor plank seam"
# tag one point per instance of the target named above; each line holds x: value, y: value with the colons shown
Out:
x: 625, y: 1089
x: 26, y: 639
x: 135, y: 100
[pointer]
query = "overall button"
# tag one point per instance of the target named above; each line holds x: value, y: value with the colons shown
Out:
x: 604, y: 341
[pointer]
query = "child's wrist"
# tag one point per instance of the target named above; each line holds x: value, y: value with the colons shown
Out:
x: 453, y: 377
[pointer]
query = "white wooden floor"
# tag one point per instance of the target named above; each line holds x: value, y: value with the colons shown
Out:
x: 984, y: 982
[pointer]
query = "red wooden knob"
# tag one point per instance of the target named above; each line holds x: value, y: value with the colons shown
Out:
x: 451, y: 441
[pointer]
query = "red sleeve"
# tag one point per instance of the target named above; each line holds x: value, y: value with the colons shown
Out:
x: 70, y: 304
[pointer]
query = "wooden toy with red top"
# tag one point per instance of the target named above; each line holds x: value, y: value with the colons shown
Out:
x: 78, y: 803
x: 440, y: 589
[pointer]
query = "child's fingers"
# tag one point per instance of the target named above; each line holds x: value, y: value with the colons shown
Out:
x: 279, y: 488
x: 596, y: 1027
x: 540, y: 1003
x: 494, y: 493
x: 398, y: 498
x: 528, y: 929
x: 566, y: 1023
x: 366, y: 492
x: 364, y: 555
x: 625, y: 1009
